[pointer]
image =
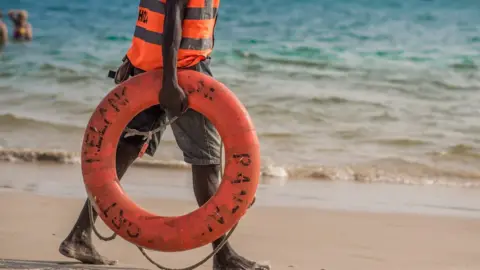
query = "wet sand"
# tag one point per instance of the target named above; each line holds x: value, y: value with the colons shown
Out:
x: 33, y: 225
x: 140, y: 182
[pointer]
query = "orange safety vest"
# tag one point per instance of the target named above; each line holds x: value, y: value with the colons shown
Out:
x: 197, y: 34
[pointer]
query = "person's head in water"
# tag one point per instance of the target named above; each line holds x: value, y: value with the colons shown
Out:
x: 22, y: 17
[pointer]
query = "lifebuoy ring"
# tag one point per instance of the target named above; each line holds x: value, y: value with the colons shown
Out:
x: 208, y: 222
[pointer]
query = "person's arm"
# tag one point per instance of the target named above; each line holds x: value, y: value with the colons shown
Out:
x: 29, y: 34
x: 172, y: 97
x: 12, y: 14
x: 172, y: 36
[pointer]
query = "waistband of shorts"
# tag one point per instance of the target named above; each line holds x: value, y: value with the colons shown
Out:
x: 206, y: 62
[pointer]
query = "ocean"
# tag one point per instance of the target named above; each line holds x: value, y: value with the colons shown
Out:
x: 347, y: 90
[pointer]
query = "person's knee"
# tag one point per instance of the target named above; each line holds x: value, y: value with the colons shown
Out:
x: 128, y: 146
x: 126, y: 154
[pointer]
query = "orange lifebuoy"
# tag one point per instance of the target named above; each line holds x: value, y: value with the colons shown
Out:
x: 208, y: 222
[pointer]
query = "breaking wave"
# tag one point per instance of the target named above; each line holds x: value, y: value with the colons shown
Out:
x: 393, y: 171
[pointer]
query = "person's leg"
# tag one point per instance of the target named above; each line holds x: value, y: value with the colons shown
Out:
x: 200, y: 143
x: 78, y: 244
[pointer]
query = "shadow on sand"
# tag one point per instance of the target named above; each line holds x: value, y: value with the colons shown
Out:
x: 31, y: 264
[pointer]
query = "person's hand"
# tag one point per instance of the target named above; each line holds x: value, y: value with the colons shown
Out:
x: 124, y: 71
x: 173, y: 99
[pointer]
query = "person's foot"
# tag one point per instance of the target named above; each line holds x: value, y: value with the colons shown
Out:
x: 236, y: 262
x: 83, y: 251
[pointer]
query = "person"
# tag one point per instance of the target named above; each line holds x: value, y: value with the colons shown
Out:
x: 22, y: 29
x: 3, y: 31
x: 171, y: 35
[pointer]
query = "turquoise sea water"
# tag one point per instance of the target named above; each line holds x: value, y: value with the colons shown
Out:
x: 355, y: 90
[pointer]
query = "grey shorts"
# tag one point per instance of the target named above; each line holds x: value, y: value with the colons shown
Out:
x: 195, y: 135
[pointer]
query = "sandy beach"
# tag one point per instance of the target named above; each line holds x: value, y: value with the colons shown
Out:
x: 367, y: 114
x: 35, y: 220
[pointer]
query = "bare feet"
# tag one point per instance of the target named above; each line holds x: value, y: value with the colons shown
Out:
x: 83, y: 250
x: 236, y: 262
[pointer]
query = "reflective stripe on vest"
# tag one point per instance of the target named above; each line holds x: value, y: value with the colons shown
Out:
x: 197, y: 33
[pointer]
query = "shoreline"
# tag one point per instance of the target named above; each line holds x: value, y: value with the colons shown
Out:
x: 289, y: 238
x: 387, y: 170
x: 293, y: 225
x: 65, y: 181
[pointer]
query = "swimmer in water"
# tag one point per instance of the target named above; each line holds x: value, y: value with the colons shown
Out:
x: 23, y: 29
x: 3, y: 31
